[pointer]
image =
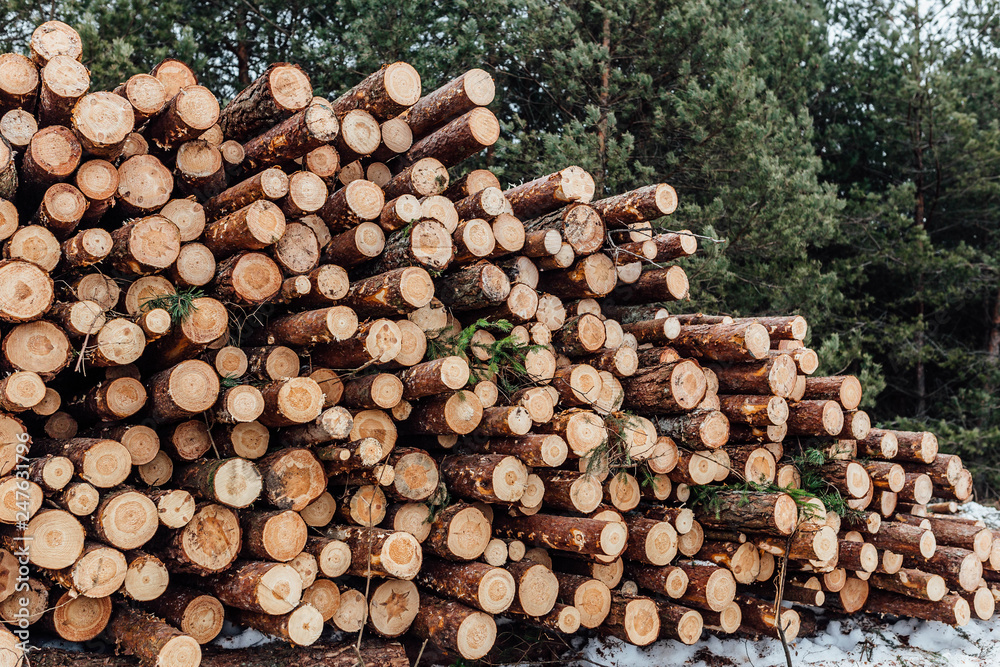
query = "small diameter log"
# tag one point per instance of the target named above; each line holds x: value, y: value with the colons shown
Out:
x: 103, y: 463
x: 478, y: 286
x: 209, y: 543
x: 775, y: 375
x: 86, y: 248
x: 702, y: 428
x: 911, y: 583
x: 359, y: 201
x: 51, y: 473
x: 819, y: 418
x: 234, y: 482
x: 651, y: 542
x: 951, y: 609
x: 151, y: 640
x: 490, y: 589
x: 282, y: 90
x: 879, y: 443
x: 304, y: 131
x: 62, y: 208
x: 845, y: 389
x: 950, y: 532
x: 183, y: 391
x: 548, y: 193
x: 634, y: 620
x: 575, y: 534
x: 919, y: 447
x: 78, y: 618
x: 849, y: 477
x: 270, y: 184
x: 192, y: 111
x: 293, y: 478
x: 959, y: 567
x: 52, y: 155
x: 455, y: 627
x: 300, y: 627
x: 270, y: 588
x: 474, y: 88
x: 97, y: 573
x: 422, y: 178
x: 492, y: 478
x: 376, y: 341
x: 458, y: 413
x: 378, y: 552
x: 458, y: 532
x: 355, y: 246
x: 590, y: 277
x: 886, y: 476
x: 192, y: 612
x: 583, y: 431
x: 146, y: 94
x: 434, y: 377
x: 18, y: 83
x: 666, y: 388
x: 548, y: 451
x: 591, y: 597
x: 573, y: 491
x: 463, y: 137
x: 114, y: 400
x: 659, y: 331
x: 392, y: 607
x: 273, y: 535
x: 395, y: 292
x: 917, y: 488
x: 771, y: 513
x: 758, y: 617
x: 504, y: 422
x: 680, y: 623
x: 641, y: 205
x: 64, y: 82
x: 333, y: 557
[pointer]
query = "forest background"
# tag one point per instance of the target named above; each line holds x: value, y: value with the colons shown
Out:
x: 843, y: 157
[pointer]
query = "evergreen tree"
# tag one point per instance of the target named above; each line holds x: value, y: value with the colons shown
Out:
x: 908, y: 129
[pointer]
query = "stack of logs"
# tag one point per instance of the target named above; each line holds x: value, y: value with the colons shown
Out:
x: 279, y: 363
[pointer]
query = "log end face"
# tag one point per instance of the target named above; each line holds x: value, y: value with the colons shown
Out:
x: 757, y: 340
x: 665, y: 200
x: 614, y: 538
x: 479, y: 87
x: 642, y: 621
x: 785, y: 514
x: 496, y: 590
x: 180, y: 651
x: 279, y: 590
x: 468, y: 534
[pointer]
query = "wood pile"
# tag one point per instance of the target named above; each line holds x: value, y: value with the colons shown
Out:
x: 287, y: 362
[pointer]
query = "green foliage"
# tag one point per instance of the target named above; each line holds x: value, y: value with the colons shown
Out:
x: 505, y: 356
x: 179, y: 304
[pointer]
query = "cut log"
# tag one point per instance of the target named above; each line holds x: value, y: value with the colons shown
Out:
x: 461, y: 138
x: 578, y: 535
x: 492, y: 478
x: 666, y: 388
x: 548, y: 193
x: 78, y: 618
x: 641, y: 205
x: 270, y: 588
x: 378, y: 552
x: 282, y: 90
x: 458, y: 532
x: 292, y: 477
x: 634, y: 620
x: 951, y: 609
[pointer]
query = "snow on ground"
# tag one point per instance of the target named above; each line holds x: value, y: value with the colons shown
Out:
x: 858, y: 640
